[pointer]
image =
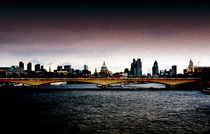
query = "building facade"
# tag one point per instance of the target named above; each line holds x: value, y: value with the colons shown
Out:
x: 174, y: 70
x: 155, y: 69
x: 29, y: 67
x: 37, y: 67
x: 136, y: 68
x: 67, y: 68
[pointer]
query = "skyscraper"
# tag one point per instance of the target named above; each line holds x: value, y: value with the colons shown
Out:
x: 132, y: 71
x: 37, y: 67
x: 155, y: 69
x: 136, y: 68
x: 85, y: 72
x: 21, y: 65
x: 85, y: 67
x: 29, y: 67
x: 174, y: 70
x: 67, y: 68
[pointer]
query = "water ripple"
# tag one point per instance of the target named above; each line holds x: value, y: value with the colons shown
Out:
x: 110, y: 112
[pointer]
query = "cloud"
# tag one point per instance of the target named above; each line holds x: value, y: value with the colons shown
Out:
x: 37, y: 61
x: 66, y: 63
x: 4, y: 40
x: 50, y: 64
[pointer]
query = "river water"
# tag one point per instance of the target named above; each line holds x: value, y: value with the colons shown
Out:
x: 106, y: 111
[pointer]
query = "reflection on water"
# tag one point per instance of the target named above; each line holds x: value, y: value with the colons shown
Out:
x: 111, y: 112
x: 94, y: 86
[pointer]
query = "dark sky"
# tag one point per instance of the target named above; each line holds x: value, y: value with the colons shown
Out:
x: 89, y: 33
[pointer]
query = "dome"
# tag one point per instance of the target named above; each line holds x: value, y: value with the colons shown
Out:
x: 104, y: 66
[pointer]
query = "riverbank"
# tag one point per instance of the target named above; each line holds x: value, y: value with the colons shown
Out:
x: 206, y: 91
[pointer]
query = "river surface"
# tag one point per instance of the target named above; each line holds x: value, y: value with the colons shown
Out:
x: 109, y: 112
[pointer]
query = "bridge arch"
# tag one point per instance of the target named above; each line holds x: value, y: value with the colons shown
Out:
x: 101, y: 81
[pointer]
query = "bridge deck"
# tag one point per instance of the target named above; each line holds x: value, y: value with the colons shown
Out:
x: 102, y: 81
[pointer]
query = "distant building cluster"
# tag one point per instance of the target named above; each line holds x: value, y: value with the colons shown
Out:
x: 39, y: 71
x: 136, y: 70
x: 68, y: 71
x: 194, y: 70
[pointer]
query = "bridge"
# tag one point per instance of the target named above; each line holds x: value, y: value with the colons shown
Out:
x: 102, y: 81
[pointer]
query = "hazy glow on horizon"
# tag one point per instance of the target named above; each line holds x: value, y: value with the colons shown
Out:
x: 91, y: 39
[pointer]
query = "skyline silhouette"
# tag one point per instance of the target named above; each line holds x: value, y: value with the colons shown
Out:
x: 89, y: 34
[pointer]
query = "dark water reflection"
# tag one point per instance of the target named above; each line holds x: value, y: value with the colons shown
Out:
x: 109, y: 112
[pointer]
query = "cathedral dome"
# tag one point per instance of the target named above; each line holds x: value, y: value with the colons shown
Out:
x: 104, y: 66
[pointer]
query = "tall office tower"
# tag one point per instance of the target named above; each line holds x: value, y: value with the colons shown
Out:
x: 133, y: 67
x: 155, y: 69
x: 29, y: 67
x: 67, y: 68
x: 174, y: 70
x: 37, y: 67
x: 85, y: 67
x: 21, y: 65
x: 138, y: 67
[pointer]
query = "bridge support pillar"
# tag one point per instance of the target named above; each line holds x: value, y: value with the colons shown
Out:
x: 104, y: 86
x: 170, y: 86
x: 36, y: 86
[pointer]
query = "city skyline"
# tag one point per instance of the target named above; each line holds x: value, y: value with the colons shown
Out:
x: 116, y: 34
x: 137, y: 64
